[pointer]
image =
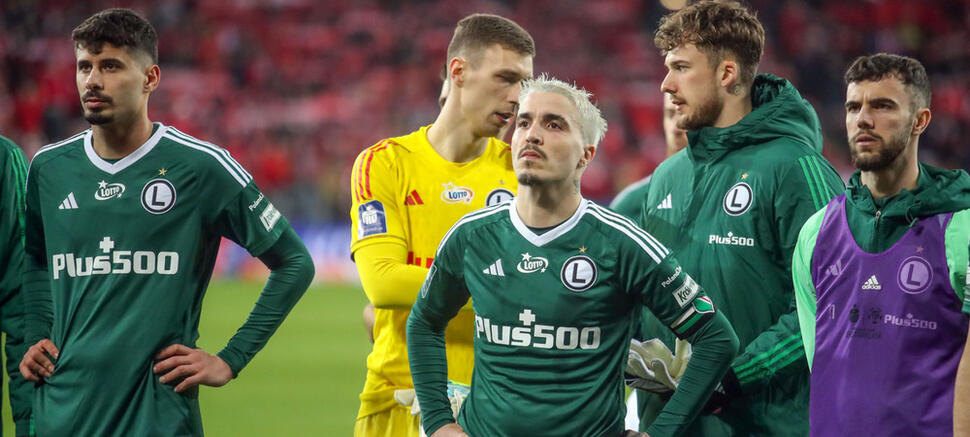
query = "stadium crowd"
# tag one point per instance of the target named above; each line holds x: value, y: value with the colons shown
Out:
x: 296, y: 88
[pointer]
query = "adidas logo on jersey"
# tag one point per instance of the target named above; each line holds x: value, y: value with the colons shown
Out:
x: 69, y: 202
x: 667, y: 203
x: 413, y: 199
x: 495, y: 269
x: 872, y: 284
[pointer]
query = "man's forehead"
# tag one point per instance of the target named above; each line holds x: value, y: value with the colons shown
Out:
x: 887, y: 87
x: 496, y: 56
x: 105, y: 50
x: 544, y: 103
x: 683, y: 52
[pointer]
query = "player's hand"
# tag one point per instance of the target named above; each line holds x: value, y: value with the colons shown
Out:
x: 632, y: 433
x: 35, y: 366
x: 450, y: 430
x: 192, y: 367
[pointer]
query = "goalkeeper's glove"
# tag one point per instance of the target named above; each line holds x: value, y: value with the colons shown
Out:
x: 652, y: 367
x: 456, y: 394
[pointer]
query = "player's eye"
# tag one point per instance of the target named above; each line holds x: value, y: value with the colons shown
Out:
x: 555, y: 125
x: 522, y: 123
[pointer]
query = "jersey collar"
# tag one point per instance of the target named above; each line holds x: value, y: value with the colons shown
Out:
x: 552, y: 234
x: 123, y: 163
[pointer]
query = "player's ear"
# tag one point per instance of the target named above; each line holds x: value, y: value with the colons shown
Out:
x: 922, y: 120
x: 588, y: 152
x: 153, y: 75
x: 729, y: 75
x: 456, y: 70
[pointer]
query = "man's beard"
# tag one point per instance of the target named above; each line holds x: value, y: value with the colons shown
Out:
x: 98, y: 118
x: 885, y: 156
x: 705, y: 115
x: 530, y: 180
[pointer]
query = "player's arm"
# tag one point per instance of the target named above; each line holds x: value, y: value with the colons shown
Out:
x: 801, y: 272
x: 378, y: 247
x: 779, y: 352
x: 38, y: 307
x: 441, y: 297
x: 13, y: 174
x: 961, y: 397
x: 690, y: 314
x: 265, y: 233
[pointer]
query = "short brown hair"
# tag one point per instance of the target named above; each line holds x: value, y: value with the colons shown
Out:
x: 478, y: 31
x: 718, y: 29
x: 882, y: 65
x: 120, y: 28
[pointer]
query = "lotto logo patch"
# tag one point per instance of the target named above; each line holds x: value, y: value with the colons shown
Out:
x: 371, y: 219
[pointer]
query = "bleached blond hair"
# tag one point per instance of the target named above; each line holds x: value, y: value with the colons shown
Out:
x: 592, y: 124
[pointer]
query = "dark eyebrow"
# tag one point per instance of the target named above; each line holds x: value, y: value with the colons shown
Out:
x: 883, y: 101
x: 510, y: 73
x: 546, y: 118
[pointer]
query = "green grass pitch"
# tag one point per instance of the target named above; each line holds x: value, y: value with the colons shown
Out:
x: 304, y: 382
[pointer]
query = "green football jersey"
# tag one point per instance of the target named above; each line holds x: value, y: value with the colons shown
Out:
x: 554, y: 316
x: 126, y: 249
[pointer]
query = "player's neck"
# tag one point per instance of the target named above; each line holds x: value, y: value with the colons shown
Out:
x: 735, y: 108
x: 541, y: 205
x: 116, y: 140
x: 452, y: 138
x: 902, y: 174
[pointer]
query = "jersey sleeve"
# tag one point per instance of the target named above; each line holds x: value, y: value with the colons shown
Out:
x: 38, y: 305
x: 13, y: 174
x: 680, y: 303
x: 251, y: 220
x: 444, y: 292
x: 804, y: 188
x: 805, y: 298
x: 375, y: 186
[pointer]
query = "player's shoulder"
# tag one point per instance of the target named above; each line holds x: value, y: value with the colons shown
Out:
x: 394, y: 149
x: 205, y: 157
x: 479, y: 219
x: 57, y: 149
x: 623, y: 232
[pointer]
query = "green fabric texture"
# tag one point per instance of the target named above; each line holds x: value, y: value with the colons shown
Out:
x: 802, y: 278
x: 522, y: 288
x: 629, y: 201
x: 738, y: 196
x: 13, y: 175
x: 878, y: 224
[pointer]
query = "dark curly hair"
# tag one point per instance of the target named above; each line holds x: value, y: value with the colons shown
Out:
x: 120, y: 28
x: 882, y: 65
x: 718, y: 29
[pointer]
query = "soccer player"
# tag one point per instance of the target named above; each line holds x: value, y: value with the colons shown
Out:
x: 881, y: 271
x: 731, y: 205
x: 555, y: 281
x: 629, y: 202
x: 123, y: 224
x: 407, y: 191
x: 13, y: 172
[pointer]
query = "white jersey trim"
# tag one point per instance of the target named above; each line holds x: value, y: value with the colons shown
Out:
x: 243, y: 178
x: 629, y: 233
x: 127, y: 161
x: 53, y: 146
x: 225, y: 153
x: 621, y: 220
x: 468, y: 218
x: 552, y: 234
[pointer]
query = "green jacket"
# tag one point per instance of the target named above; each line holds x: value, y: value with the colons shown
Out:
x: 730, y: 207
x: 13, y: 174
x: 877, y: 224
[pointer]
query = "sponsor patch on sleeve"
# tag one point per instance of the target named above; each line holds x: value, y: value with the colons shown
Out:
x: 269, y: 217
x: 371, y: 219
x: 697, y: 314
x: 686, y: 292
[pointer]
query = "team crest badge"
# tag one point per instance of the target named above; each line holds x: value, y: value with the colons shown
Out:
x: 453, y: 194
x: 914, y: 275
x: 738, y: 199
x: 158, y: 196
x: 497, y: 196
x: 578, y: 273
x: 108, y: 191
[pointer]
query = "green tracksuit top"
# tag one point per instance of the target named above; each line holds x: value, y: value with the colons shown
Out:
x: 730, y: 206
x: 13, y: 173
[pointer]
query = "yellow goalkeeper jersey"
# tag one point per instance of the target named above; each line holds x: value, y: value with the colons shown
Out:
x: 404, y: 192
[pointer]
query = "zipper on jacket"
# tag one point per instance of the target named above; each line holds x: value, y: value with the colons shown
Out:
x: 875, y: 228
